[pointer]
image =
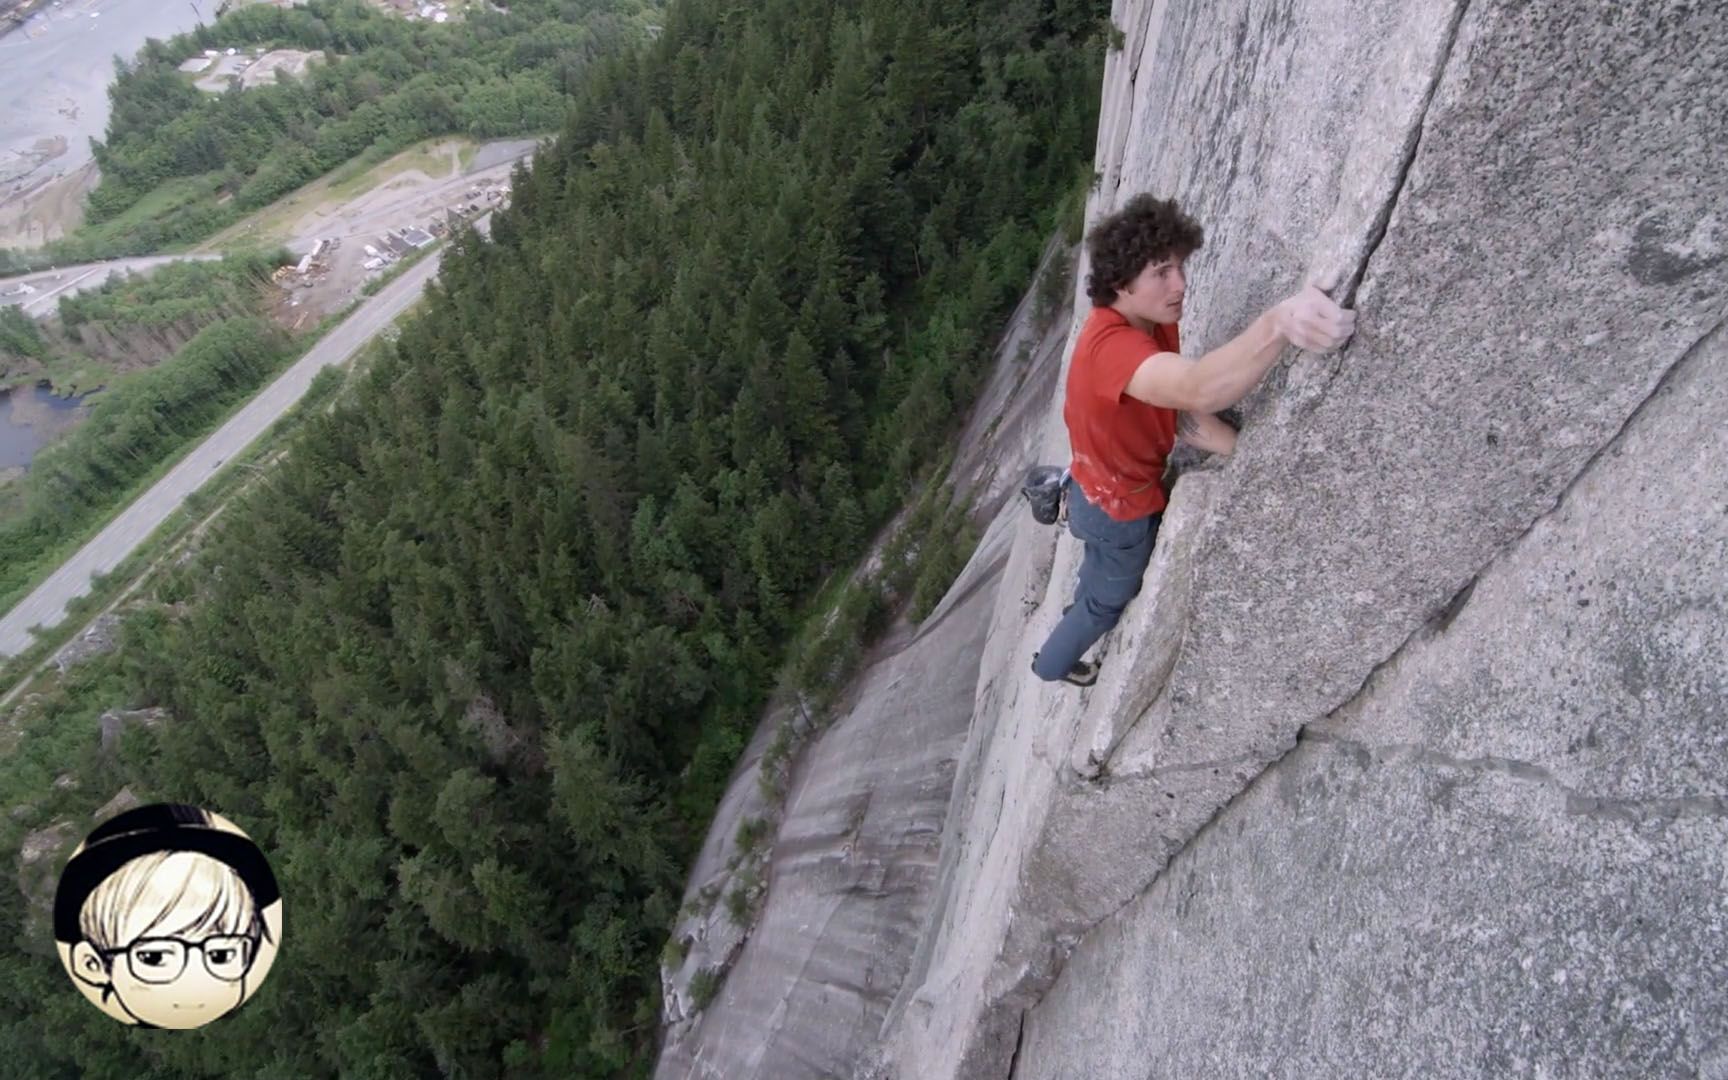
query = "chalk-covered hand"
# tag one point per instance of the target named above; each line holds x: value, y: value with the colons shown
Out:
x: 1310, y: 320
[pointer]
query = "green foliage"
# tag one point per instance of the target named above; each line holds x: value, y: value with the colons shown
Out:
x: 1071, y: 214
x: 200, y: 292
x: 753, y: 832
x: 19, y: 336
x: 136, y: 321
x: 951, y: 544
x: 131, y: 429
x: 171, y: 215
x: 704, y: 985
x: 191, y: 163
x: 322, y: 389
x: 741, y: 901
x: 1054, y: 289
x: 704, y: 782
x: 475, y: 661
x: 738, y: 906
x: 20, y: 262
x: 672, y: 954
x: 821, y: 667
x: 773, y: 774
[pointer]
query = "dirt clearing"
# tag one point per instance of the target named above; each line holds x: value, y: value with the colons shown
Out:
x: 376, y: 215
x: 31, y: 215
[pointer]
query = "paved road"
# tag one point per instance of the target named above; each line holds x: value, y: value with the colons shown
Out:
x: 50, y: 285
x: 47, y: 605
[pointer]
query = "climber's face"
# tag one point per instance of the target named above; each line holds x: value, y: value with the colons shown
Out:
x: 1156, y: 293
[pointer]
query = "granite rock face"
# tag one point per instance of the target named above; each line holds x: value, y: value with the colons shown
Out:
x: 852, y: 861
x: 1521, y: 202
x: 851, y: 868
x: 37, y: 865
x: 1505, y: 857
x: 1410, y: 758
x: 101, y: 636
x: 123, y: 800
x: 114, y: 722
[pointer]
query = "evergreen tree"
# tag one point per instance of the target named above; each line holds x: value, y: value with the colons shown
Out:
x: 475, y: 666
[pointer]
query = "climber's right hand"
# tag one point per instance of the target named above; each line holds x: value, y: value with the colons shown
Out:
x: 1310, y: 320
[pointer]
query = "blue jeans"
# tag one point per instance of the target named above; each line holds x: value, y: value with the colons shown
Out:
x: 1116, y: 556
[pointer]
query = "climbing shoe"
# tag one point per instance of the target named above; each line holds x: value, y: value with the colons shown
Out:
x: 1081, y: 674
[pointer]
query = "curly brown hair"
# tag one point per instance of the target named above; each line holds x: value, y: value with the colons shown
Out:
x: 1145, y: 230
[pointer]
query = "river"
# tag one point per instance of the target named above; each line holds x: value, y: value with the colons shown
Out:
x: 30, y: 417
x: 54, y: 76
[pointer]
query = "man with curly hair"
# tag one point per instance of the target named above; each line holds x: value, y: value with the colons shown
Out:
x: 1131, y: 394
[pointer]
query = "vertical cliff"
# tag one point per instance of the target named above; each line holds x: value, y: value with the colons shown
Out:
x: 850, y: 873
x: 1410, y: 755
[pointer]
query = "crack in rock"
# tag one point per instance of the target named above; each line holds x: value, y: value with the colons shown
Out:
x: 1383, y: 219
x: 1622, y: 809
x: 1105, y: 780
x: 1631, y: 810
x: 1377, y: 231
x: 1442, y: 619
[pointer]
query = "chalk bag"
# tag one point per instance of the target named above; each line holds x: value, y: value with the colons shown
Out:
x: 1043, y: 490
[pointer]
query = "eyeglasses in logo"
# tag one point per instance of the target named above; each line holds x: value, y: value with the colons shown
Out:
x: 167, y: 916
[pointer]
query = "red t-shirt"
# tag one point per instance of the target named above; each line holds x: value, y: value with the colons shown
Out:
x: 1119, y: 443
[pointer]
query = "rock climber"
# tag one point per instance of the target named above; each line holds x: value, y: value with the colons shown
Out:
x: 1131, y: 394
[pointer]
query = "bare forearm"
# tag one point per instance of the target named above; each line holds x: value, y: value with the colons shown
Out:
x: 1226, y: 374
x: 1308, y: 320
x: 1206, y: 432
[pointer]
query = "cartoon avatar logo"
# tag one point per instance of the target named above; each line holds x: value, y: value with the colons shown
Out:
x: 167, y: 916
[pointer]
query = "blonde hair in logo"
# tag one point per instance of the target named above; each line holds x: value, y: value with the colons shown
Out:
x: 169, y: 894
x: 163, y: 890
